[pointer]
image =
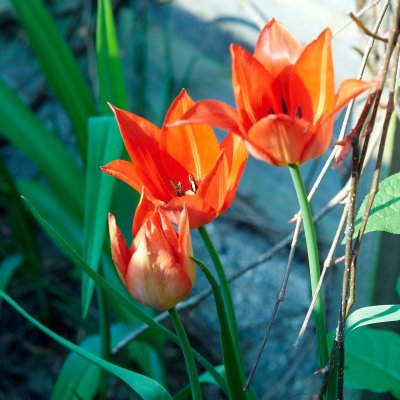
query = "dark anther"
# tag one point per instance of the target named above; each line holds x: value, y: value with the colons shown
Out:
x: 298, y: 113
x: 270, y: 111
x: 284, y: 107
x: 178, y: 188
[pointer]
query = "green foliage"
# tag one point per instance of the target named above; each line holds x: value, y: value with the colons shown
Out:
x: 372, y: 360
x: 145, y: 387
x: 385, y: 211
x: 7, y: 267
x: 372, y: 315
x: 59, y: 66
x: 24, y: 130
x: 109, y: 69
x: 104, y: 144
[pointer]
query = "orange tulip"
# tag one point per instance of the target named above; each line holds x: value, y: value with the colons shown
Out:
x: 180, y: 165
x: 285, y: 97
x: 157, y: 269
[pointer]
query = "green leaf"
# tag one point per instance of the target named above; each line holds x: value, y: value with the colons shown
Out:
x: 58, y: 65
x: 24, y: 130
x: 7, y: 267
x: 204, y: 379
x: 372, y: 361
x: 44, y: 200
x: 145, y: 387
x: 109, y: 68
x: 104, y: 144
x: 120, y: 297
x: 385, y: 211
x: 81, y: 377
x: 398, y: 286
x: 233, y: 373
x: 372, y: 315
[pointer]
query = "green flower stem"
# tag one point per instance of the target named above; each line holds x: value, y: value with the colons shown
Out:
x: 313, y: 261
x: 187, y: 354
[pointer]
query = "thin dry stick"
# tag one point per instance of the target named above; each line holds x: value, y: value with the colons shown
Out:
x: 375, y: 180
x: 350, y: 266
x: 362, y: 118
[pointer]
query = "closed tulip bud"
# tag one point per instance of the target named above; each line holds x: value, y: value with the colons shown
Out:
x: 157, y: 269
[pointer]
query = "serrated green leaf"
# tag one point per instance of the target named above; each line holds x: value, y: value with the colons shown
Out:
x: 373, y: 315
x: 373, y: 360
x: 109, y: 68
x: 145, y: 387
x: 58, y: 65
x: 385, y: 211
x: 24, y: 130
x: 105, y: 144
x: 7, y: 268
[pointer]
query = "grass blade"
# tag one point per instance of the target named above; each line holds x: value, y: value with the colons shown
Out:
x: 23, y: 129
x: 58, y: 65
x: 104, y: 144
x: 109, y: 68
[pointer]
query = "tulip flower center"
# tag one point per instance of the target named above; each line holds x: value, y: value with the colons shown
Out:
x: 297, y: 114
x: 180, y: 191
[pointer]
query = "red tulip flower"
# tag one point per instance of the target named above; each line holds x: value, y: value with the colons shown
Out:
x: 180, y: 165
x: 285, y: 97
x: 157, y: 268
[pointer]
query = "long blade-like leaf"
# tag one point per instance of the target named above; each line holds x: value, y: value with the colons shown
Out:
x: 147, y: 388
x: 58, y: 64
x: 109, y: 68
x: 116, y: 295
x: 104, y: 144
x: 23, y: 129
x: 373, y: 315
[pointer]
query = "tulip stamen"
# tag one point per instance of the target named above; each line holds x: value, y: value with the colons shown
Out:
x: 284, y: 106
x: 178, y: 188
x: 298, y: 112
x: 193, y: 183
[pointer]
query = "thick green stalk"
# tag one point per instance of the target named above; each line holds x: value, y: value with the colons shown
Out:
x: 313, y: 261
x: 187, y: 353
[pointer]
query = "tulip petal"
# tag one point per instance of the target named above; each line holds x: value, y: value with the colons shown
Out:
x: 119, y: 250
x: 144, y: 210
x: 141, y: 140
x: 141, y: 175
x: 276, y: 48
x: 154, y: 278
x: 349, y: 89
x: 195, y: 148
x: 312, y: 85
x: 185, y: 249
x: 212, y: 112
x: 251, y: 85
x: 236, y: 155
x: 279, y: 140
x: 214, y: 186
x: 200, y: 212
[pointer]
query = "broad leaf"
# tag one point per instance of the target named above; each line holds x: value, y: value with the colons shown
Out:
x: 145, y: 387
x: 373, y: 360
x: 372, y: 315
x: 105, y: 144
x: 385, y: 211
